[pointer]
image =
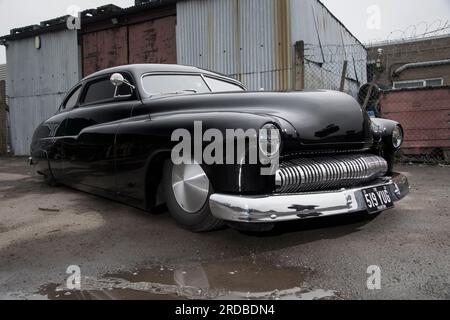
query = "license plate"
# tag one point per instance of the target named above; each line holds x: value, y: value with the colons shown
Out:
x: 378, y: 199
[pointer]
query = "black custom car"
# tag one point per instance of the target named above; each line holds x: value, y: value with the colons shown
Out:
x: 112, y: 136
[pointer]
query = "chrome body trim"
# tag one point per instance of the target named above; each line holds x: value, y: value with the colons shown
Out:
x: 287, y: 207
x: 306, y: 174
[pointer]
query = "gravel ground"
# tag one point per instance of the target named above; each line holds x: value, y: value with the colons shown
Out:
x: 125, y: 253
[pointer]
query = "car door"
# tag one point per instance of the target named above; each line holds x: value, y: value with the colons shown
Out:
x: 89, y: 155
x: 56, y: 127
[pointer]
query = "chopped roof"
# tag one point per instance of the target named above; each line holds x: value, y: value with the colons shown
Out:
x: 138, y: 69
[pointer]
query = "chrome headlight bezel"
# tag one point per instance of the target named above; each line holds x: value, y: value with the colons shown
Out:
x: 269, y: 140
x: 397, y: 137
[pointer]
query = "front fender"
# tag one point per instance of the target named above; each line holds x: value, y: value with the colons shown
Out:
x: 140, y: 139
x: 382, y: 132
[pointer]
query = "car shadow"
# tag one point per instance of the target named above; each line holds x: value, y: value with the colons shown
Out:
x: 346, y: 223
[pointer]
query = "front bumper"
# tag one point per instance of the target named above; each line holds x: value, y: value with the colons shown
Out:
x: 287, y: 207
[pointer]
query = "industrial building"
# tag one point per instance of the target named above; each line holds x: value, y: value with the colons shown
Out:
x: 267, y: 44
x: 415, y: 78
x: 414, y: 63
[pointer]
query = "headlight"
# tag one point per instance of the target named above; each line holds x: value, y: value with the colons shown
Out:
x: 397, y: 137
x: 269, y: 140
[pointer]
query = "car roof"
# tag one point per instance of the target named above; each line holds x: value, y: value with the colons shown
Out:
x: 139, y: 69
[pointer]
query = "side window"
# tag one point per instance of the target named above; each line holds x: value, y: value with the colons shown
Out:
x: 104, y: 90
x: 222, y: 86
x: 99, y: 90
x: 72, y: 99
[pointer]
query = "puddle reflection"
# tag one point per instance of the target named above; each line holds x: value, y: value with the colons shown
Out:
x: 221, y: 280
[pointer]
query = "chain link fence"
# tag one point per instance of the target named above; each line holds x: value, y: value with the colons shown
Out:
x: 416, y: 94
x: 408, y: 82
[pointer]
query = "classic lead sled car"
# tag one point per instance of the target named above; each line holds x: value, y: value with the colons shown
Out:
x: 112, y: 136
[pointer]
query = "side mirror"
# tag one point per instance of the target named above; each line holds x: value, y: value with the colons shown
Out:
x: 117, y: 79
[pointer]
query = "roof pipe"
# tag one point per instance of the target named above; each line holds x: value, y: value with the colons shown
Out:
x: 421, y: 65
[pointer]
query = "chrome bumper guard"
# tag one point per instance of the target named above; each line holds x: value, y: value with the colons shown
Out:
x: 287, y: 207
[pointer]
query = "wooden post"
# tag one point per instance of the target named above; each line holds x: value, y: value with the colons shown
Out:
x: 343, y: 76
x: 299, y: 65
x: 368, y: 96
x: 3, y: 121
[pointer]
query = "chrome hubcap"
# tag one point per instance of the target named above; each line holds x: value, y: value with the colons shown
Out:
x: 190, y: 186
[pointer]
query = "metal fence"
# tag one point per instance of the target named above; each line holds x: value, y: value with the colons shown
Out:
x: 418, y: 97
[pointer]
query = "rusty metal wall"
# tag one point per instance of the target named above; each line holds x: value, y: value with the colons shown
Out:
x: 104, y: 49
x: 3, y: 76
x: 247, y: 39
x: 153, y: 41
x: 150, y: 41
x: 37, y: 82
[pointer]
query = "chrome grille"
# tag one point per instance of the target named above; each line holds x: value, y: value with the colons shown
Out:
x: 307, y: 174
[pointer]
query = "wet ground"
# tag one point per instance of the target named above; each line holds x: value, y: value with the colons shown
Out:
x: 124, y: 253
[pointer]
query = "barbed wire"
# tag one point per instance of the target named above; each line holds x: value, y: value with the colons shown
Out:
x: 417, y: 31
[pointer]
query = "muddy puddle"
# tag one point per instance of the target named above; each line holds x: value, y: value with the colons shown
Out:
x: 220, y: 280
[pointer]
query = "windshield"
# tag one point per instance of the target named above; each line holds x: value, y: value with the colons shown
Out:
x: 174, y: 84
x: 170, y: 84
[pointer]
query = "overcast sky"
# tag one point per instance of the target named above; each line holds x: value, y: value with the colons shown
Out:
x: 369, y: 20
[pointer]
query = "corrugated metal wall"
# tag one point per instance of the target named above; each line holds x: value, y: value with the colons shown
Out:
x: 247, y: 39
x: 253, y: 41
x: 38, y: 80
x: 327, y: 44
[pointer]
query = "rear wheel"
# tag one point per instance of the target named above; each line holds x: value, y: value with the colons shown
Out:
x: 187, y: 190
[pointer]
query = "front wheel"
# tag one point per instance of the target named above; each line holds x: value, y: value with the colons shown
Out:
x: 187, y: 190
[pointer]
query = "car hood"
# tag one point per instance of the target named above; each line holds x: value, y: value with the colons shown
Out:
x: 319, y: 117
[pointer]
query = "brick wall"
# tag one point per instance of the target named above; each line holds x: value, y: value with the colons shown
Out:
x: 397, y: 54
